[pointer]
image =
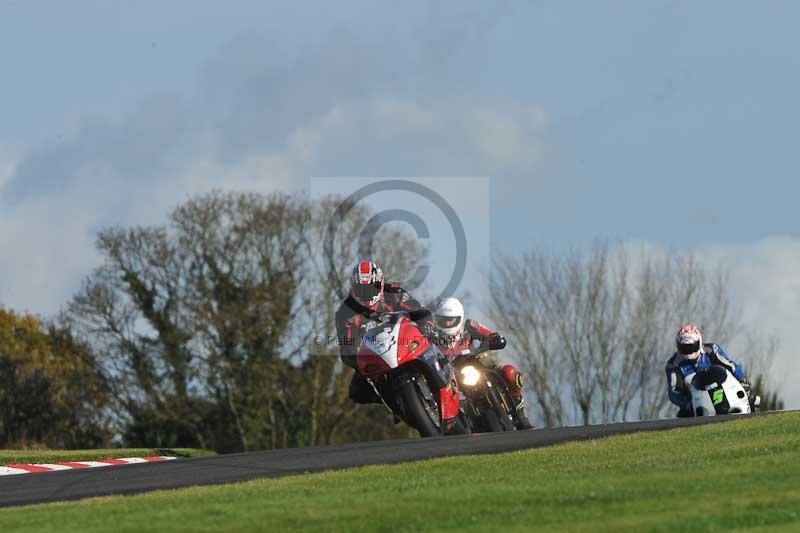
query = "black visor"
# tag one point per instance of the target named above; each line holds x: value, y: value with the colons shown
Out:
x: 687, y: 349
x: 365, y: 293
x: 447, y: 322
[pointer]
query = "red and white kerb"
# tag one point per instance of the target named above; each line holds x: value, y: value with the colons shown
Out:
x: 12, y: 470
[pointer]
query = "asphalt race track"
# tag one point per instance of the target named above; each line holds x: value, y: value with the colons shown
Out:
x: 77, y: 484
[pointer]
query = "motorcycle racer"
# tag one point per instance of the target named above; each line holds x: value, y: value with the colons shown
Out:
x: 368, y: 298
x: 693, y: 355
x: 459, y: 336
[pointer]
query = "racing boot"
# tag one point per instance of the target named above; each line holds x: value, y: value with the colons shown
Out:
x: 756, y: 404
x: 361, y: 391
x: 521, y: 419
x: 457, y: 426
x: 515, y: 382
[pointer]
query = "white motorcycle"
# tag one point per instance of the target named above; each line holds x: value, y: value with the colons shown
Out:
x: 715, y: 391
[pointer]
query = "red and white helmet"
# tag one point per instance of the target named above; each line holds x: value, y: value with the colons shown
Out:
x: 690, y: 341
x: 366, y: 284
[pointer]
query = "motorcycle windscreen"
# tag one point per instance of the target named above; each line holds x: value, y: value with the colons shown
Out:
x: 379, y: 349
x: 708, y: 396
x: 714, y: 376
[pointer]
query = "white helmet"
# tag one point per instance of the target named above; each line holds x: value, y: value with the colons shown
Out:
x: 449, y: 316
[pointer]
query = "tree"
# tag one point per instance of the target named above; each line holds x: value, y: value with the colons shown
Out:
x: 190, y: 318
x: 51, y: 391
x: 206, y: 324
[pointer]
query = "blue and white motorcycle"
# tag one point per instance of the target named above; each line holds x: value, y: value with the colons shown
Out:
x: 715, y: 391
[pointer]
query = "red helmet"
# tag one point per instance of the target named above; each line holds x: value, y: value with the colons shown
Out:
x: 690, y: 341
x: 366, y: 285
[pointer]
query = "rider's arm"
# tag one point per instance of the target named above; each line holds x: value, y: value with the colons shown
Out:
x: 420, y: 315
x: 347, y: 339
x: 397, y: 298
x: 719, y: 357
x: 492, y: 339
x: 676, y: 384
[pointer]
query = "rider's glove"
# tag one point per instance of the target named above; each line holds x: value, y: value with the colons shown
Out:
x: 497, y: 342
x: 428, y: 329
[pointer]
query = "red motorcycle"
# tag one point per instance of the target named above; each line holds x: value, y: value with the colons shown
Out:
x: 411, y: 376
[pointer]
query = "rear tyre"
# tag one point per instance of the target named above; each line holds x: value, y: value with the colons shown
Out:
x: 421, y: 414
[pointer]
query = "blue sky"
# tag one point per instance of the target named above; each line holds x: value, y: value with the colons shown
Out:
x: 668, y: 123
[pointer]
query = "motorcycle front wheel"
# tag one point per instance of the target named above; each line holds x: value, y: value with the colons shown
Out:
x: 420, y: 407
x: 496, y: 420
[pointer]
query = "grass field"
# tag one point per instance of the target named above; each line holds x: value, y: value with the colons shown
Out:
x: 743, y: 475
x: 55, y: 456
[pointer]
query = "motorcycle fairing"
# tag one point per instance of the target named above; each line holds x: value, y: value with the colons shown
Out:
x: 383, y: 340
x: 715, y: 391
x: 393, y: 343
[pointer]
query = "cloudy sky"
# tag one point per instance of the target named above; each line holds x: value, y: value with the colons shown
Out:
x: 670, y: 123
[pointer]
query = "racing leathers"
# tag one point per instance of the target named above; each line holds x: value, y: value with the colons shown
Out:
x: 351, y: 321
x: 477, y: 336
x: 681, y: 370
x: 474, y: 334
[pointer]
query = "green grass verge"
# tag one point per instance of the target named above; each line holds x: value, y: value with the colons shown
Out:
x: 743, y: 475
x: 55, y: 456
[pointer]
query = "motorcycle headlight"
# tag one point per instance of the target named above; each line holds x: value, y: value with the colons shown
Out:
x: 470, y: 376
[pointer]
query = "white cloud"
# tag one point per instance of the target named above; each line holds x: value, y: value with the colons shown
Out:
x: 394, y: 136
x: 120, y: 173
x: 45, y: 252
x: 47, y: 239
x: 505, y: 136
x: 8, y: 163
x: 765, y: 283
x: 257, y: 123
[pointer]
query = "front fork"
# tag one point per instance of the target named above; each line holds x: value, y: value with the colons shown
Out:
x: 442, y: 373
